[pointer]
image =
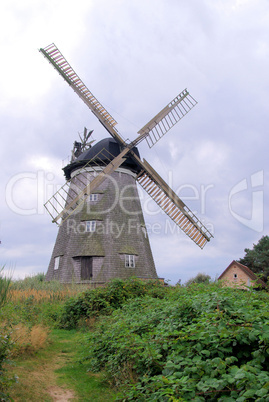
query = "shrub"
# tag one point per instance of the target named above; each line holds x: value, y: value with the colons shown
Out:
x: 202, y: 343
x: 199, y: 278
x: 102, y: 301
x: 5, y: 353
x: 5, y: 342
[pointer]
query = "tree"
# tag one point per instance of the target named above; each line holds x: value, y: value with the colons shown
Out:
x: 257, y: 259
x: 199, y: 278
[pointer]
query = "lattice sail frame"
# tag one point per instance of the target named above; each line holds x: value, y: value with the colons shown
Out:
x: 55, y: 57
x: 153, y: 131
x: 173, y: 206
x: 73, y: 193
x: 157, y: 127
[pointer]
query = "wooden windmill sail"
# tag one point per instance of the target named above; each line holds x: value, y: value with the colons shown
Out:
x: 91, y: 173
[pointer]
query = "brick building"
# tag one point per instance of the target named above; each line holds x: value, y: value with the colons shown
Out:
x: 240, y: 276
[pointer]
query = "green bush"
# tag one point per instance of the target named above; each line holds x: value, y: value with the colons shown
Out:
x: 102, y: 301
x: 5, y: 380
x: 199, y: 278
x: 5, y: 342
x: 203, y: 343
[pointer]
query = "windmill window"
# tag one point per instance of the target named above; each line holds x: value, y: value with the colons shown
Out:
x: 90, y: 226
x: 56, y: 263
x: 93, y: 197
x: 129, y: 261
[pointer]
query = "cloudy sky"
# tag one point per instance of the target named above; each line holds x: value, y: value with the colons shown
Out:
x: 136, y: 56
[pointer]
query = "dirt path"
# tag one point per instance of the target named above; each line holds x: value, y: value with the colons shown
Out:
x: 57, y: 393
x: 54, y: 373
x: 60, y: 394
x: 37, y: 379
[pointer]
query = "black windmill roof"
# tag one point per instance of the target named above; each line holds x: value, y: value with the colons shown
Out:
x: 101, y: 154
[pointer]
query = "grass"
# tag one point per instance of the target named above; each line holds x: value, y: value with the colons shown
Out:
x: 32, y: 300
x: 4, y: 287
x: 136, y: 337
x: 40, y: 295
x: 27, y: 340
x: 55, y: 372
x: 45, y: 359
x: 41, y: 291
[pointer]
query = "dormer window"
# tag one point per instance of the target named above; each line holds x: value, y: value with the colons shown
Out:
x: 90, y: 226
x: 93, y: 197
x: 129, y: 261
x: 56, y: 263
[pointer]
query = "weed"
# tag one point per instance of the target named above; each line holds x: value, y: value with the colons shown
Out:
x: 4, y: 287
x: 28, y: 340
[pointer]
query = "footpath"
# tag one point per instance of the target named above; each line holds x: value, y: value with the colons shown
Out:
x: 55, y: 374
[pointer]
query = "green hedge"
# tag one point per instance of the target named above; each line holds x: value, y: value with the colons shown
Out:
x: 201, y: 343
x: 102, y: 301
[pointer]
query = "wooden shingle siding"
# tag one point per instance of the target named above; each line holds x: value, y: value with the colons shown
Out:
x: 118, y: 230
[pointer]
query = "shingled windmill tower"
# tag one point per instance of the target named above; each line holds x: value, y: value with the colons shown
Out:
x: 102, y: 233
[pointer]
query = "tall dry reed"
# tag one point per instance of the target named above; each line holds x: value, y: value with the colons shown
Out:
x: 28, y: 340
x: 40, y: 296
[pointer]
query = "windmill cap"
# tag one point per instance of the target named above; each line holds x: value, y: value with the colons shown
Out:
x: 103, y: 152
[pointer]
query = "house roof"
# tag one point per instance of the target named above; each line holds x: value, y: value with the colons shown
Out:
x: 247, y: 271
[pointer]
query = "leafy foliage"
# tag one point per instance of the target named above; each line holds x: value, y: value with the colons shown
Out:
x: 5, y: 342
x: 200, y: 343
x: 199, y: 278
x: 156, y: 343
x: 257, y: 259
x: 5, y: 379
x: 102, y: 301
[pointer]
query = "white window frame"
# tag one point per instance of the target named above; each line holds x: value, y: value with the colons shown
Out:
x: 90, y: 226
x: 93, y: 197
x: 129, y: 261
x: 56, y: 262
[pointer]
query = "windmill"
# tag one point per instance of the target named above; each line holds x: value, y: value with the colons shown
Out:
x: 100, y: 238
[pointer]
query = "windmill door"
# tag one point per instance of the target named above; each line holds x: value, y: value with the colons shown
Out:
x: 86, y: 268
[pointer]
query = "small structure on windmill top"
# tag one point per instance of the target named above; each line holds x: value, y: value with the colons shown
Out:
x: 80, y: 147
x: 102, y: 233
